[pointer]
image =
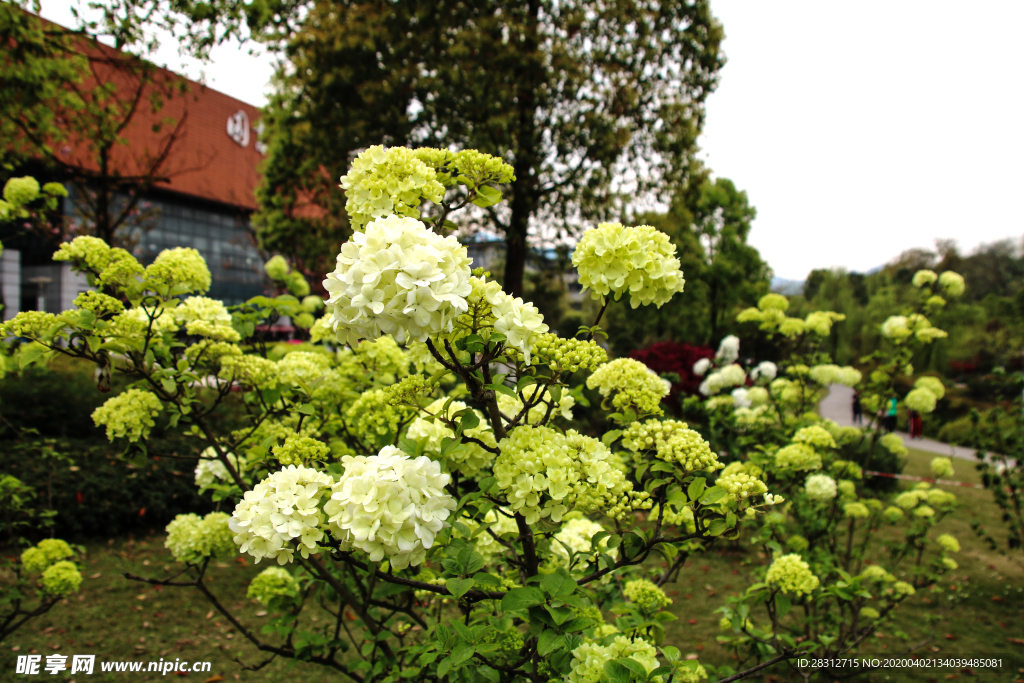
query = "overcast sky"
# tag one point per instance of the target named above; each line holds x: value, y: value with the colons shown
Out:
x: 858, y: 129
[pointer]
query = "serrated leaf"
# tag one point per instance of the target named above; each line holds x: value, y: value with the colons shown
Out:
x: 713, y: 495
x: 522, y: 598
x: 548, y: 642
x: 559, y: 584
x: 618, y: 672
x: 459, y: 587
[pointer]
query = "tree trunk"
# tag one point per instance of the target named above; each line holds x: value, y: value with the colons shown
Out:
x: 525, y: 186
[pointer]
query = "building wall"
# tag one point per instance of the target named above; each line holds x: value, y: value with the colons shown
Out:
x: 51, y: 288
x: 10, y: 282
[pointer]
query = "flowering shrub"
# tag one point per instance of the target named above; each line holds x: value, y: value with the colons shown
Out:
x: 414, y: 460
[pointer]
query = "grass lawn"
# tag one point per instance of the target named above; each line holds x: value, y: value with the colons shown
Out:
x: 118, y: 619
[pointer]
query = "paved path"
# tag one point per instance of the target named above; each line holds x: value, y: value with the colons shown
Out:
x: 837, y: 406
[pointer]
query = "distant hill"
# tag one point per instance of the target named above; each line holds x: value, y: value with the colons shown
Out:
x: 781, y: 285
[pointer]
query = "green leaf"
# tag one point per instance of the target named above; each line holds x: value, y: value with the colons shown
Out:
x: 305, y: 409
x: 559, y: 584
x: 525, y: 381
x: 556, y: 392
x: 461, y: 654
x: 487, y: 196
x: 610, y: 437
x: 459, y: 587
x: 548, y: 642
x: 713, y: 495
x: 696, y: 488
x: 502, y: 389
x: 521, y: 598
x: 636, y: 667
x: 718, y: 527
x: 577, y: 624
x: 444, y: 667
x: 618, y: 672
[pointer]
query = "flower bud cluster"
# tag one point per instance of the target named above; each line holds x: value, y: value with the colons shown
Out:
x: 255, y: 372
x: 304, y: 366
x: 942, y: 467
x: 790, y: 574
x: 192, y: 538
x: 182, y: 267
x: 672, y: 441
x: 400, y: 278
x: 371, y: 415
x: 634, y: 384
x: 856, y: 511
x: 130, y: 414
x: 568, y: 355
x: 299, y: 450
x: 103, y: 305
x: 390, y: 506
x: 210, y: 469
x: 646, y: 595
x: 271, y: 583
x: 948, y: 543
x: 613, y: 259
x: 281, y: 514
x: 61, y: 578
x: 741, y: 485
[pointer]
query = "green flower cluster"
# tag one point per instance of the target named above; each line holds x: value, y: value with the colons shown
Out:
x: 371, y: 415
x: 894, y: 444
x: 35, y: 560
x: 942, y: 467
x: 634, y: 384
x: 567, y: 355
x: 835, y: 374
x: 103, y: 305
x: 614, y: 259
x: 588, y: 659
x: 948, y: 543
x: 741, y: 485
x: 856, y: 511
x: 382, y: 182
x: 192, y: 538
x: 304, y: 366
x: 790, y: 574
x: 301, y: 450
x: 181, y: 267
x: 545, y: 473
x: 820, y: 487
x: 62, y: 578
x: 30, y: 324
x: 252, y: 371
x: 129, y: 415
x: 271, y: 583
x: 408, y: 392
x: 672, y: 441
x: 798, y: 456
x: 815, y: 436
x: 646, y: 595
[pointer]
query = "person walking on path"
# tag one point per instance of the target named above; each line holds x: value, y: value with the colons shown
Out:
x: 858, y: 409
x: 890, y: 417
x: 914, y: 418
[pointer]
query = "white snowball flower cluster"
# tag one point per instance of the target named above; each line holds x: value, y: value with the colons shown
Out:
x: 210, y: 469
x: 741, y: 397
x: 701, y: 366
x: 896, y: 328
x: 614, y: 259
x: 728, y: 350
x: 390, y: 505
x: 400, y: 278
x: 765, y: 372
x: 520, y: 322
x: 281, y: 514
x: 821, y: 487
x: 545, y: 473
x: 577, y: 534
x: 470, y: 458
x: 723, y: 378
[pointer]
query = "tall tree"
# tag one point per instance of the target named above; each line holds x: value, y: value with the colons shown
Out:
x: 592, y: 103
x: 72, y: 104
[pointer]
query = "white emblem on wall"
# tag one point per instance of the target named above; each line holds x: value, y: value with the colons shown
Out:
x: 238, y: 128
